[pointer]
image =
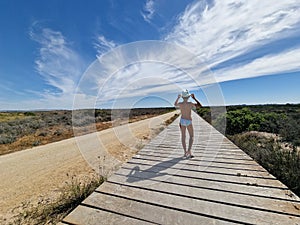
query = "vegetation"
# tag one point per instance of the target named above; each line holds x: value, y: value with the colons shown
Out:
x: 56, y: 124
x: 169, y: 121
x: 283, y: 120
x: 21, y: 130
x: 4, y: 116
x: 270, y: 134
x: 283, y: 164
x: 52, y: 211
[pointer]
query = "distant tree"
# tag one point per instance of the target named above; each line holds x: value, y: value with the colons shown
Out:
x: 29, y: 114
x: 205, y: 113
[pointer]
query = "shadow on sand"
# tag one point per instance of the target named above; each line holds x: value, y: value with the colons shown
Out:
x: 136, y: 174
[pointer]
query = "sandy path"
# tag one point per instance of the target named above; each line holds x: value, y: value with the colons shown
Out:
x: 41, y: 170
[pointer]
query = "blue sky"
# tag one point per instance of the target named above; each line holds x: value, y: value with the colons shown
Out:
x: 52, y: 52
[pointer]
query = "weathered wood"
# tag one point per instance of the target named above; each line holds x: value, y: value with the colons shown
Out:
x: 221, y: 185
x: 88, y: 214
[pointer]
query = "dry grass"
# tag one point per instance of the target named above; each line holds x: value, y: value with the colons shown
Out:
x: 51, y: 211
x: 23, y: 130
x: 10, y: 116
x: 169, y: 121
x: 283, y: 163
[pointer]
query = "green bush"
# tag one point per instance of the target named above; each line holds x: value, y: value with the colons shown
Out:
x: 205, y: 113
x: 6, y: 139
x: 238, y: 121
x: 29, y: 114
x: 283, y: 120
x: 243, y: 119
x: 283, y: 164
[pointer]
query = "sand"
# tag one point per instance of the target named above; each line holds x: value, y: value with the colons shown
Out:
x: 41, y: 171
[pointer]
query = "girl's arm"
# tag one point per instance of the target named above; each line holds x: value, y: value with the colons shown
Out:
x: 198, y: 104
x: 176, y: 102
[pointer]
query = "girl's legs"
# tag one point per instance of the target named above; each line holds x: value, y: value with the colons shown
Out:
x: 191, y: 140
x: 183, y: 132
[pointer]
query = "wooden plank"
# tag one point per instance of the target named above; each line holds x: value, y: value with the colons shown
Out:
x: 237, y: 170
x: 198, y: 157
x: 238, y: 188
x: 221, y: 185
x: 166, y: 151
x: 216, y: 209
x: 90, y: 215
x: 245, y: 160
x: 174, y: 166
x: 155, y: 171
x: 155, y: 213
x: 228, y: 197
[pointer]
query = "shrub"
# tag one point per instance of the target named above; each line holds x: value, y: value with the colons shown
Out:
x: 29, y: 114
x: 279, y: 119
x: 58, y: 132
x: 51, y: 212
x: 236, y: 121
x: 244, y: 119
x: 7, y: 139
x: 283, y: 164
x: 205, y: 113
x: 36, y: 143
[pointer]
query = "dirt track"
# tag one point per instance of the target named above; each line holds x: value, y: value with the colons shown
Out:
x: 39, y: 171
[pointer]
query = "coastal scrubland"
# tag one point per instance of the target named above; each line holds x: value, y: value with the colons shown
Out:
x: 270, y: 134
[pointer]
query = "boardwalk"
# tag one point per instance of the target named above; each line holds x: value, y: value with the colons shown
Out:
x: 221, y: 185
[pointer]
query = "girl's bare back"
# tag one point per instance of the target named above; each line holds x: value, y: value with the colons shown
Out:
x: 186, y: 110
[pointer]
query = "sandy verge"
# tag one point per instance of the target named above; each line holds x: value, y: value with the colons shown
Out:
x: 40, y: 171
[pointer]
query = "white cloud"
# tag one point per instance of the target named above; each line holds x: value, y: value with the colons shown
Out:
x: 140, y: 79
x: 57, y: 63
x: 49, y: 102
x: 103, y: 45
x: 6, y: 87
x: 227, y: 29
x: 215, y: 32
x: 147, y: 68
x: 268, y: 65
x: 148, y: 11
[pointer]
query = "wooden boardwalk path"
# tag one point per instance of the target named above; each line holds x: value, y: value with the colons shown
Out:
x: 221, y: 185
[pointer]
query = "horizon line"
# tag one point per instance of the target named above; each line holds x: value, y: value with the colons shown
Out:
x: 160, y: 107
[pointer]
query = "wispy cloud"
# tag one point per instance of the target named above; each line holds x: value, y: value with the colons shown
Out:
x: 148, y: 10
x: 7, y: 87
x: 59, y: 65
x: 224, y: 30
x: 284, y: 62
x: 216, y: 32
x: 142, y: 69
x: 56, y: 62
x: 103, y: 45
